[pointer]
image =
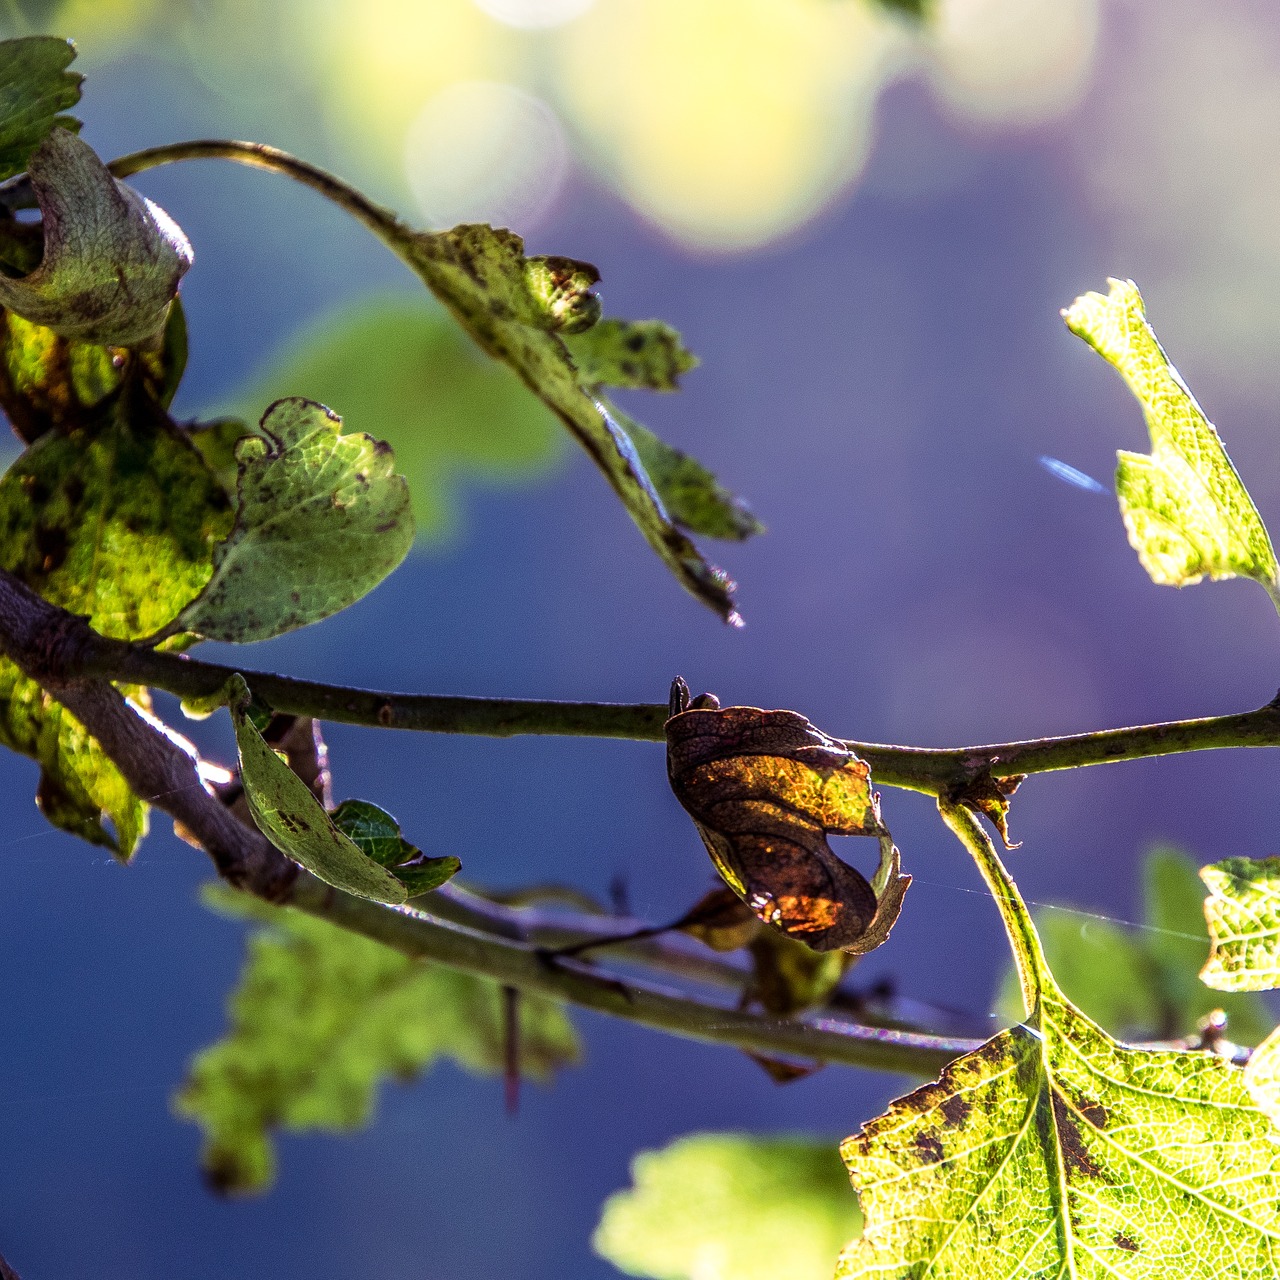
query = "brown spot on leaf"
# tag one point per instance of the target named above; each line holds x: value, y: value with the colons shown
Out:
x: 1123, y: 1242
x: 956, y: 1108
x: 1075, y: 1155
x: 928, y: 1147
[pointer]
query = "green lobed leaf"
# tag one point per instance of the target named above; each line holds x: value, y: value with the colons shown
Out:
x: 112, y: 259
x: 320, y: 1018
x: 1243, y: 911
x: 483, y: 277
x: 402, y: 370
x: 115, y: 519
x: 1055, y: 1151
x: 1186, y: 511
x: 35, y: 88
x: 1141, y: 982
x: 289, y: 815
x: 321, y: 519
x: 631, y: 353
x: 731, y: 1206
x: 377, y: 835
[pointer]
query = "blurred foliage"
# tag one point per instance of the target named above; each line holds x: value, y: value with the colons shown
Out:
x: 1142, y: 980
x: 320, y: 1018
x: 401, y: 370
x: 732, y: 1206
x: 727, y: 123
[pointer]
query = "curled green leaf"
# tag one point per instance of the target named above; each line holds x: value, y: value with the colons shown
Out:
x: 35, y: 88
x: 377, y: 835
x: 562, y: 289
x: 321, y: 519
x: 112, y: 259
x: 287, y: 812
x: 1186, y: 510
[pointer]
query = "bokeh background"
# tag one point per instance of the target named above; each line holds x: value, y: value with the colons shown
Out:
x: 866, y: 229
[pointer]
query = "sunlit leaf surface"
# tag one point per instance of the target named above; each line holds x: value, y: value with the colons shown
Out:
x: 631, y: 353
x: 1142, y: 981
x: 1056, y: 1151
x: 731, y: 1206
x: 320, y: 1019
x: 764, y: 789
x: 113, y: 516
x: 321, y: 519
x: 35, y: 88
x: 1243, y: 911
x: 1187, y: 513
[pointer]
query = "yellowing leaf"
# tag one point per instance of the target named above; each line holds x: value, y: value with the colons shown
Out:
x: 764, y: 789
x: 1187, y: 513
x: 321, y: 519
x: 114, y: 517
x: 731, y: 1206
x: 1055, y: 1151
x: 35, y: 86
x: 1243, y: 911
x: 320, y: 1019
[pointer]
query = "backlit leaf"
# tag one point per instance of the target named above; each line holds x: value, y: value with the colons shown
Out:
x: 631, y: 353
x: 402, y: 371
x: 1186, y: 510
x: 320, y: 1019
x: 731, y: 1206
x: 112, y: 259
x: 114, y: 518
x: 289, y: 815
x: 1141, y: 981
x: 483, y: 277
x: 1243, y: 911
x: 1055, y: 1151
x: 321, y: 519
x: 764, y: 789
x: 35, y: 88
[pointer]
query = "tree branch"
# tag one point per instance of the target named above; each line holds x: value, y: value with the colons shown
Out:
x: 68, y: 647
x: 43, y: 641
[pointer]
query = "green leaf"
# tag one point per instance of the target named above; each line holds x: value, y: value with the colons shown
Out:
x: 35, y: 87
x: 112, y: 259
x: 692, y: 495
x: 483, y: 277
x: 321, y: 1017
x: 631, y: 353
x: 115, y: 519
x: 289, y: 815
x: 47, y: 381
x: 377, y: 835
x: 718, y: 1205
x: 1055, y: 1151
x: 321, y: 519
x: 402, y: 370
x: 1243, y: 911
x: 1187, y: 513
x: 1141, y: 981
